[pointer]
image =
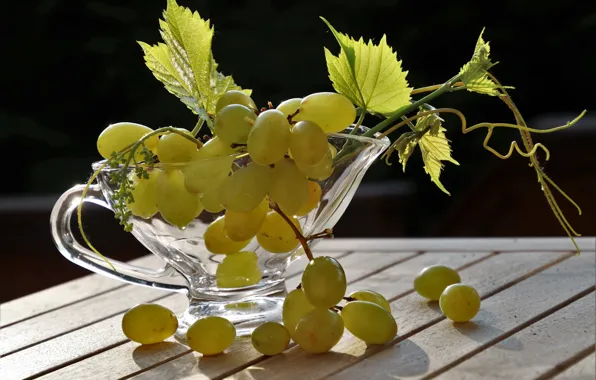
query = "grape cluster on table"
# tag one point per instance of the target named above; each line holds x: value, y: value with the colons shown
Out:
x: 312, y: 315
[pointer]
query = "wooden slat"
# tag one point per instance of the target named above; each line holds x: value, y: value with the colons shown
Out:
x: 459, y: 244
x: 103, y: 363
x: 412, y: 315
x: 65, y: 294
x: 522, y: 356
x: 399, y: 276
x: 85, y: 335
x: 584, y: 370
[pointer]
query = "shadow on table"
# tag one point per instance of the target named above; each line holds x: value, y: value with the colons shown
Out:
x: 482, y: 332
x: 288, y: 361
x: 407, y: 360
x: 149, y: 355
x: 434, y: 306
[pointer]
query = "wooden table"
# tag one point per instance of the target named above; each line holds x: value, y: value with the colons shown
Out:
x: 536, y: 321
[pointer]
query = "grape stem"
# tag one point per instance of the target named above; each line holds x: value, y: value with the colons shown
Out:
x: 197, y: 128
x: 349, y: 299
x: 327, y: 233
x: 291, y: 116
x: 435, y: 87
x: 299, y: 235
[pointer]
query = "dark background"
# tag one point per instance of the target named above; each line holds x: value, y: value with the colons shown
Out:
x: 70, y: 68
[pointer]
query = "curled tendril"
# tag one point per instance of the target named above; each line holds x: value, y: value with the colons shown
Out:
x: 530, y: 152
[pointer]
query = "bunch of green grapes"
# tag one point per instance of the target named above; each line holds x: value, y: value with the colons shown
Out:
x: 288, y: 153
x: 458, y: 302
x: 313, y: 319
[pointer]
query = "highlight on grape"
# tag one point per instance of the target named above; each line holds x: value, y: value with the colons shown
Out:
x: 260, y: 170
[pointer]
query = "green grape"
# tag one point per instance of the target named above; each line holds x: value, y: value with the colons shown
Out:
x: 119, y: 136
x: 149, y: 323
x: 308, y: 143
x: 215, y: 147
x: 371, y: 296
x: 246, y: 188
x: 431, y: 281
x: 210, y: 201
x: 318, y: 331
x: 290, y: 188
x: 369, y: 322
x: 276, y: 236
x: 211, y: 335
x: 324, y: 282
x: 217, y: 241
x: 289, y: 106
x: 270, y: 338
x: 144, y: 193
x: 238, y: 270
x: 200, y: 206
x: 320, y: 171
x: 331, y: 111
x: 240, y: 226
x: 173, y: 148
x: 269, y: 138
x: 233, y: 123
x: 313, y: 197
x: 295, y: 307
x: 460, y: 302
x: 202, y: 175
x: 234, y: 97
x: 176, y: 205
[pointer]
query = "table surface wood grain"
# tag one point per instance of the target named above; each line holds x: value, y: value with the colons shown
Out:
x: 537, y: 320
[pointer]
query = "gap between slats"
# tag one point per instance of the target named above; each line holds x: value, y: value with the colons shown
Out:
x: 569, y: 362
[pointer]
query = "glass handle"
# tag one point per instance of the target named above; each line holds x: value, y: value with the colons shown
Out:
x: 62, y: 235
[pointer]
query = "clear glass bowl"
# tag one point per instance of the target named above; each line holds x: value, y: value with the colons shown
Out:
x: 190, y: 268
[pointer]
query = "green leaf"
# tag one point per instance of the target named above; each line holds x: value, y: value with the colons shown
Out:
x: 405, y: 145
x: 474, y: 73
x: 159, y: 61
x: 370, y: 75
x: 193, y: 36
x: 185, y: 63
x: 436, y: 149
x: 429, y: 135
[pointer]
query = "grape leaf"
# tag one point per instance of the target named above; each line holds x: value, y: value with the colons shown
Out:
x: 185, y: 63
x: 436, y: 149
x: 370, y: 75
x: 159, y: 61
x: 430, y: 136
x: 474, y: 73
x: 193, y: 36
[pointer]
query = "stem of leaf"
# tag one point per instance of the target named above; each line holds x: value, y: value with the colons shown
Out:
x: 420, y: 90
x: 195, y: 131
x: 359, y: 122
x: 445, y: 87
